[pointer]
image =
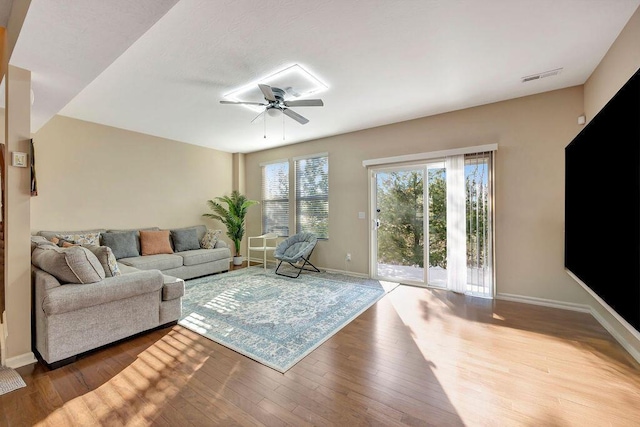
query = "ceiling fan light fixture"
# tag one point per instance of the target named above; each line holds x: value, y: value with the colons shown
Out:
x: 298, y: 82
x: 273, y: 112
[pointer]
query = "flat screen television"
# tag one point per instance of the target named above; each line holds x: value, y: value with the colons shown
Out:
x: 602, y: 204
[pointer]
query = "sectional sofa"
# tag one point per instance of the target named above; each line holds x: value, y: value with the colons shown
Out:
x: 184, y: 264
x: 85, y: 298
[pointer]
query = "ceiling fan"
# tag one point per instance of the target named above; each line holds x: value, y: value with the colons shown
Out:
x: 275, y: 101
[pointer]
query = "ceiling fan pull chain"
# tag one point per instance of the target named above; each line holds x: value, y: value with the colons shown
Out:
x: 265, y: 126
x: 282, y: 126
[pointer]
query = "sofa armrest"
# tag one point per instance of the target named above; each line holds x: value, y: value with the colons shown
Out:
x: 221, y: 244
x: 71, y: 297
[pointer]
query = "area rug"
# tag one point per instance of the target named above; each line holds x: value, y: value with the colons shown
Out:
x: 10, y: 380
x: 275, y: 320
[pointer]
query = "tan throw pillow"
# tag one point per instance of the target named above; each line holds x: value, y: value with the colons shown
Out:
x: 69, y: 265
x: 155, y: 242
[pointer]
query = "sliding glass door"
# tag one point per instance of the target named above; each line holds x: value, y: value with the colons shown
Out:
x: 422, y: 217
x: 399, y: 224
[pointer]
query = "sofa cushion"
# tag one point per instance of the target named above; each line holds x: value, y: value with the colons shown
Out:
x: 155, y: 242
x: 122, y: 244
x: 150, y: 262
x: 126, y: 269
x: 210, y: 239
x: 107, y: 259
x: 200, y: 256
x: 172, y: 288
x: 75, y: 264
x: 185, y: 239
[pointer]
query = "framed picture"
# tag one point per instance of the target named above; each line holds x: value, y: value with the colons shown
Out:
x: 19, y: 159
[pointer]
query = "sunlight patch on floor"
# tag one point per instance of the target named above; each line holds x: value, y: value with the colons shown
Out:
x: 111, y: 402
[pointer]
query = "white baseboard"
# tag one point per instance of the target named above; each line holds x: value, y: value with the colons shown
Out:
x: 21, y: 360
x: 576, y: 307
x: 348, y: 273
x: 545, y: 302
x: 329, y: 270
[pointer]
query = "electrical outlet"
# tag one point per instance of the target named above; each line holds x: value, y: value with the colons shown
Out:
x: 348, y: 258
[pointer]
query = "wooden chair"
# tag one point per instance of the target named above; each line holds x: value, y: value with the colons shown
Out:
x: 264, y: 243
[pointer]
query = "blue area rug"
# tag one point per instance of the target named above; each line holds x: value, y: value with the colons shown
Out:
x: 272, y: 319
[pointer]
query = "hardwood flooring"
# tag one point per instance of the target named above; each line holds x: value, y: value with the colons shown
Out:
x: 417, y: 357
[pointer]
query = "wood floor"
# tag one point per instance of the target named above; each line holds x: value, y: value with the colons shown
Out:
x: 417, y: 357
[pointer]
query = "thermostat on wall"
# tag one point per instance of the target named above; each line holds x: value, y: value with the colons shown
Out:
x: 19, y: 159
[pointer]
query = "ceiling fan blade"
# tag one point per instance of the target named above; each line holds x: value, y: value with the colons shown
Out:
x: 256, y: 117
x: 268, y: 93
x: 242, y: 103
x: 295, y: 116
x: 304, y: 103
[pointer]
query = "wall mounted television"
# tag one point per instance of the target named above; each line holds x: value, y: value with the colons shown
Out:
x: 602, y: 204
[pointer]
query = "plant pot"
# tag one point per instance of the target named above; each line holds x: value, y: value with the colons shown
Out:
x: 237, y: 260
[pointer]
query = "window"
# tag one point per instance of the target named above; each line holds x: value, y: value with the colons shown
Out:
x: 312, y: 195
x: 275, y: 198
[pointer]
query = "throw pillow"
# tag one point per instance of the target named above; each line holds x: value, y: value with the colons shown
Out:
x: 155, y: 242
x: 185, y: 239
x: 107, y: 259
x: 81, y: 239
x: 69, y: 265
x: 123, y: 245
x: 37, y: 241
x: 210, y: 239
x: 62, y: 243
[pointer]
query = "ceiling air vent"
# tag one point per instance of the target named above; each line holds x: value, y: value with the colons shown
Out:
x: 541, y: 75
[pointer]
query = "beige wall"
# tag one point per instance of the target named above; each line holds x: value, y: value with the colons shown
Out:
x: 617, y: 66
x: 531, y: 134
x: 94, y: 176
x: 17, y: 268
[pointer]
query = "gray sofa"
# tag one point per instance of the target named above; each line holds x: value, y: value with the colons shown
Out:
x: 184, y: 265
x: 84, y: 308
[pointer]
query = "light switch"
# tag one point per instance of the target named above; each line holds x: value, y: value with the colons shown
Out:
x: 360, y: 215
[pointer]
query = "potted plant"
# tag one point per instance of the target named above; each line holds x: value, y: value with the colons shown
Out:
x: 232, y: 216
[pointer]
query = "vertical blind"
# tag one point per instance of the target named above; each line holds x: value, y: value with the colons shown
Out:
x: 312, y: 196
x: 479, y: 225
x: 275, y: 198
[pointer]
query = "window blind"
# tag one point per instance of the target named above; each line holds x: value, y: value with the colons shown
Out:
x: 312, y: 196
x: 275, y: 198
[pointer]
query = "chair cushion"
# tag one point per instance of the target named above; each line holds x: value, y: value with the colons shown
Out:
x: 296, y: 247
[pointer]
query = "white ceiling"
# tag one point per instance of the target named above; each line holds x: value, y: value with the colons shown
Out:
x: 161, y: 67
